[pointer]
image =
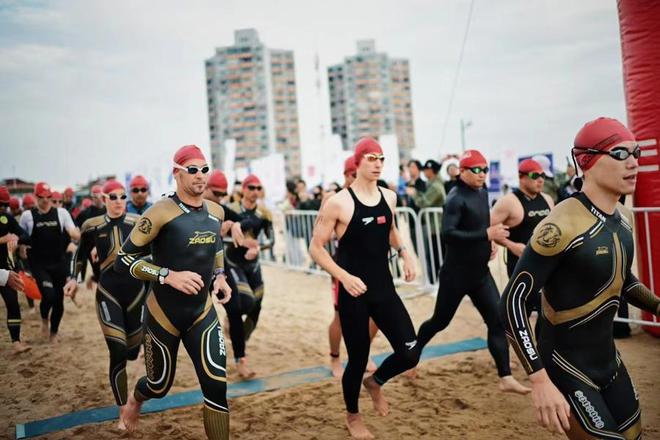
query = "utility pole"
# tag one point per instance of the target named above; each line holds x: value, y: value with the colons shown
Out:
x: 464, y: 126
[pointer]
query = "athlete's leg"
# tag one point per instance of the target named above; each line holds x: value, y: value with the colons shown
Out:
x: 485, y: 298
x: 392, y: 318
x: 45, y: 284
x: 253, y: 273
x: 58, y: 274
x: 205, y: 344
x: 111, y: 319
x: 354, y: 318
x: 13, y: 313
x: 623, y: 402
x: 133, y: 319
x: 241, y: 303
x: 450, y: 293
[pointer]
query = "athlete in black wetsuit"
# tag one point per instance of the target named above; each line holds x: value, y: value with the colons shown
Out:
x: 243, y: 261
x: 182, y: 233
x: 49, y: 229
x: 96, y: 209
x: 361, y: 217
x: 119, y: 299
x: 581, y: 255
x: 467, y: 234
x: 521, y: 210
x: 11, y: 235
x: 242, y: 301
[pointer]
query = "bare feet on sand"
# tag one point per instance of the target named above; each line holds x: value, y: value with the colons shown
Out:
x: 336, y: 367
x: 380, y: 403
x: 410, y: 374
x: 244, y: 370
x: 130, y: 413
x: 120, y: 425
x: 20, y: 347
x: 371, y: 366
x: 357, y: 428
x: 54, y: 339
x: 510, y: 385
x: 45, y: 329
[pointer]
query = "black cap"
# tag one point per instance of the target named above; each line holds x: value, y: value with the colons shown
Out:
x: 432, y: 165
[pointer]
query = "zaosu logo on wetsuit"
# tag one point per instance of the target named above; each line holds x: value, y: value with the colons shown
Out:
x: 206, y: 237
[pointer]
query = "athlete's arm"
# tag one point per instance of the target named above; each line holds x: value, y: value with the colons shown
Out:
x: 323, y: 232
x: 397, y: 243
x: 16, y: 229
x: 639, y: 295
x: 537, y: 263
x: 500, y: 214
x: 68, y: 224
x: 83, y: 251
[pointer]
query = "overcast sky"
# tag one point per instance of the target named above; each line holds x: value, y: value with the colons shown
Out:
x: 94, y: 87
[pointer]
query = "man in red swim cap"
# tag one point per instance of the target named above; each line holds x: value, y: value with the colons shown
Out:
x: 581, y: 256
x: 183, y: 232
x: 467, y: 234
x: 362, y: 219
x: 139, y: 187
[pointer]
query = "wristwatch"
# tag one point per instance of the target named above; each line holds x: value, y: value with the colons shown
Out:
x: 162, y: 274
x: 219, y: 271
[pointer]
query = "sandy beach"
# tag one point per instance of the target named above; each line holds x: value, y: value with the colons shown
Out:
x: 453, y: 397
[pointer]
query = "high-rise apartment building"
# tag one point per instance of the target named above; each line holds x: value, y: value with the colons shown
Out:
x: 370, y: 96
x: 251, y: 94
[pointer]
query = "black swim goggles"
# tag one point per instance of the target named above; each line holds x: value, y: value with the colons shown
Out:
x: 618, y: 153
x: 534, y: 175
x: 477, y: 170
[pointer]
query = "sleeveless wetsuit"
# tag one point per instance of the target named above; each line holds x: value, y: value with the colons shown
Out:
x: 363, y: 252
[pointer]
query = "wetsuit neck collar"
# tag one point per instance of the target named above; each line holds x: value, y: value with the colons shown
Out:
x: 114, y: 219
x: 465, y: 185
x: 186, y: 207
x: 597, y: 212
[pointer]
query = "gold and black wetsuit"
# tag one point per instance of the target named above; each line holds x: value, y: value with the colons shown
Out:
x: 119, y: 299
x: 180, y: 237
x: 582, y: 259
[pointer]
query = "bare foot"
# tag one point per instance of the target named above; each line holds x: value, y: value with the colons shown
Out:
x: 54, y: 339
x: 244, y: 371
x: 130, y: 414
x: 510, y: 385
x: 120, y: 425
x: 371, y: 366
x: 357, y: 428
x: 411, y: 374
x: 20, y: 347
x: 380, y: 403
x: 336, y: 367
x: 45, y: 329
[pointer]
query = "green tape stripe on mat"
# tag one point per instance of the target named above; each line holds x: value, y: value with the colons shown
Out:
x: 187, y: 398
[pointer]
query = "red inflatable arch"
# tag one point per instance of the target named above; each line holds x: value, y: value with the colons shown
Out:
x: 640, y: 47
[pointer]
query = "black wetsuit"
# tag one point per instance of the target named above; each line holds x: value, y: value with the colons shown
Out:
x: 9, y: 225
x: 465, y: 221
x: 363, y: 252
x: 247, y: 273
x: 582, y: 259
x: 48, y: 262
x: 119, y: 299
x: 181, y: 238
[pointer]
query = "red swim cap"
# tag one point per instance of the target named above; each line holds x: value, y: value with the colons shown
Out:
x: 349, y: 166
x: 5, y: 197
x: 28, y: 201
x: 472, y: 158
x: 251, y: 180
x: 69, y: 192
x: 217, y: 179
x: 139, y: 181
x: 365, y: 146
x: 56, y: 195
x: 599, y: 134
x: 86, y: 203
x: 42, y: 189
x: 111, y: 185
x: 530, y: 166
x: 187, y: 153
x: 14, y: 203
x: 96, y: 189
